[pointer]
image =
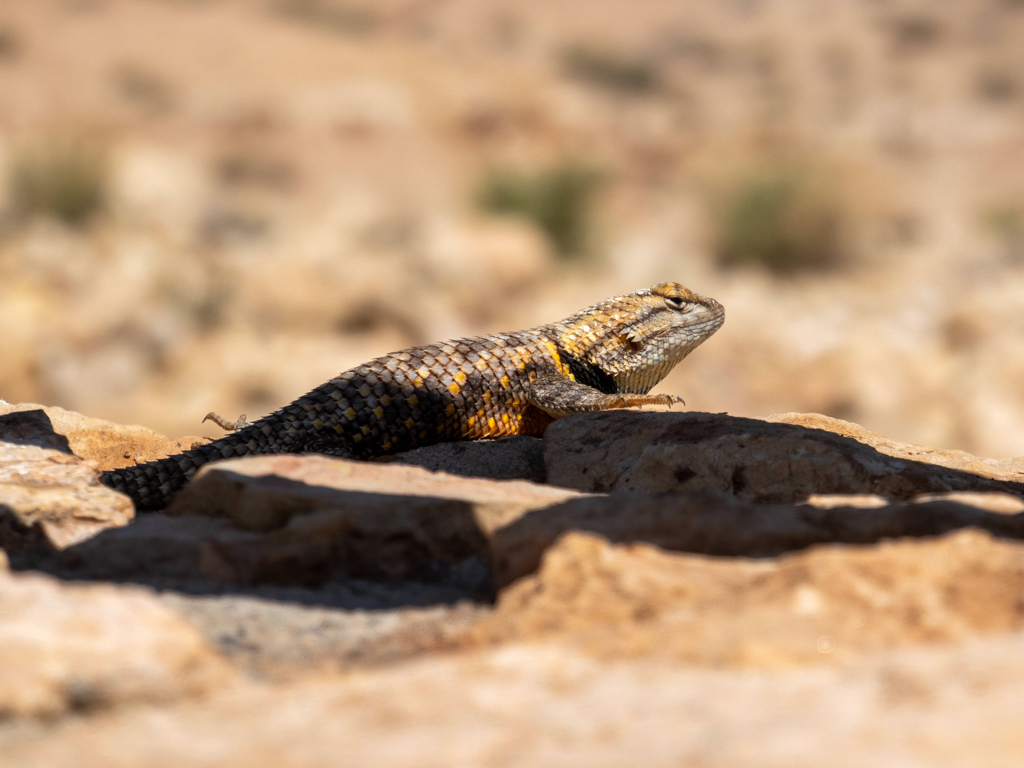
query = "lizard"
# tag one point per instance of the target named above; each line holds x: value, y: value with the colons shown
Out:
x: 609, y: 355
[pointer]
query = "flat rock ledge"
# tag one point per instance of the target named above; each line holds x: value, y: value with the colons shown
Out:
x: 636, y: 588
x: 784, y: 458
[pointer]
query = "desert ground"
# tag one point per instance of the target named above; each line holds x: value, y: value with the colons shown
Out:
x: 217, y: 205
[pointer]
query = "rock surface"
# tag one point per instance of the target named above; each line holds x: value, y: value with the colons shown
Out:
x: 48, y: 497
x: 510, y: 458
x: 304, y: 518
x: 720, y: 524
x: 826, y: 603
x: 836, y: 597
x: 279, y: 634
x: 785, y: 458
x: 550, y: 706
x: 68, y: 648
x: 108, y: 444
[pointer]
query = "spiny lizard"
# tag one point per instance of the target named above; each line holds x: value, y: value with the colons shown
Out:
x: 607, y: 356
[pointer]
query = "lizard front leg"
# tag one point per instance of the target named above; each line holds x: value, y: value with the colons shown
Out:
x: 558, y: 397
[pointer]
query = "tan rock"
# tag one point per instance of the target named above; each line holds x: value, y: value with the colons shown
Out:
x: 825, y: 603
x: 304, y: 517
x: 861, y: 500
x: 1004, y: 503
x: 108, y: 444
x: 550, y: 706
x: 721, y: 524
x: 48, y: 496
x: 1011, y: 469
x: 71, y: 647
x: 784, y: 459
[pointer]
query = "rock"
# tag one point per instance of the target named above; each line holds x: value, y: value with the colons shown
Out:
x: 304, y: 518
x: 108, y: 444
x: 48, y: 497
x: 783, y: 459
x: 510, y: 458
x: 1003, y: 503
x: 548, y: 706
x: 273, y: 634
x: 825, y: 603
x: 32, y: 427
x: 721, y: 524
x: 68, y: 648
x: 271, y: 630
x: 154, y: 547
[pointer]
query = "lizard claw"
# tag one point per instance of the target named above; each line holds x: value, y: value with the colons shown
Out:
x: 230, y: 426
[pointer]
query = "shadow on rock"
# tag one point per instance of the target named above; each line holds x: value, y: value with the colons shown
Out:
x: 718, y: 524
x: 784, y: 458
x: 32, y: 428
x: 304, y: 523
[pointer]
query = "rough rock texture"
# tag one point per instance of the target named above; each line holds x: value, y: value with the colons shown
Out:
x: 550, y: 706
x: 77, y: 647
x: 630, y: 628
x: 108, y: 444
x: 154, y: 546
x: 784, y: 458
x: 510, y: 458
x: 720, y: 524
x: 274, y: 634
x: 825, y: 603
x: 48, y: 497
x: 301, y: 519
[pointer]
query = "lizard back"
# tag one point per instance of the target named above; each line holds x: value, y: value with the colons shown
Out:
x: 464, y: 389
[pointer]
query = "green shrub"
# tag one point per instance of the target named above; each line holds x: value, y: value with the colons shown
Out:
x: 1005, y: 223
x: 611, y: 70
x: 66, y: 179
x: 559, y: 201
x: 782, y: 219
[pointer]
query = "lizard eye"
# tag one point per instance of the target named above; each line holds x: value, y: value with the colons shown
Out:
x: 675, y: 302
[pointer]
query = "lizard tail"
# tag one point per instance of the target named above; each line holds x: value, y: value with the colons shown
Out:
x: 151, y: 485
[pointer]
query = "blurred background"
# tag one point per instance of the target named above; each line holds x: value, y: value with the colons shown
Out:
x: 219, y: 204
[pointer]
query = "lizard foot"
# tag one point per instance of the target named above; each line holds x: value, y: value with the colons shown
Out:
x: 230, y: 426
x: 629, y: 401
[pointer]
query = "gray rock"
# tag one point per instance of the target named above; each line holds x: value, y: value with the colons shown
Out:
x: 510, y: 458
x: 783, y: 459
x: 269, y: 634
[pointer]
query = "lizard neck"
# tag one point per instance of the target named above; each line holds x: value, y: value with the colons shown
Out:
x: 588, y: 373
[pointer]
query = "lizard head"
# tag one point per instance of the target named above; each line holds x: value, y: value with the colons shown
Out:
x: 638, y: 338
